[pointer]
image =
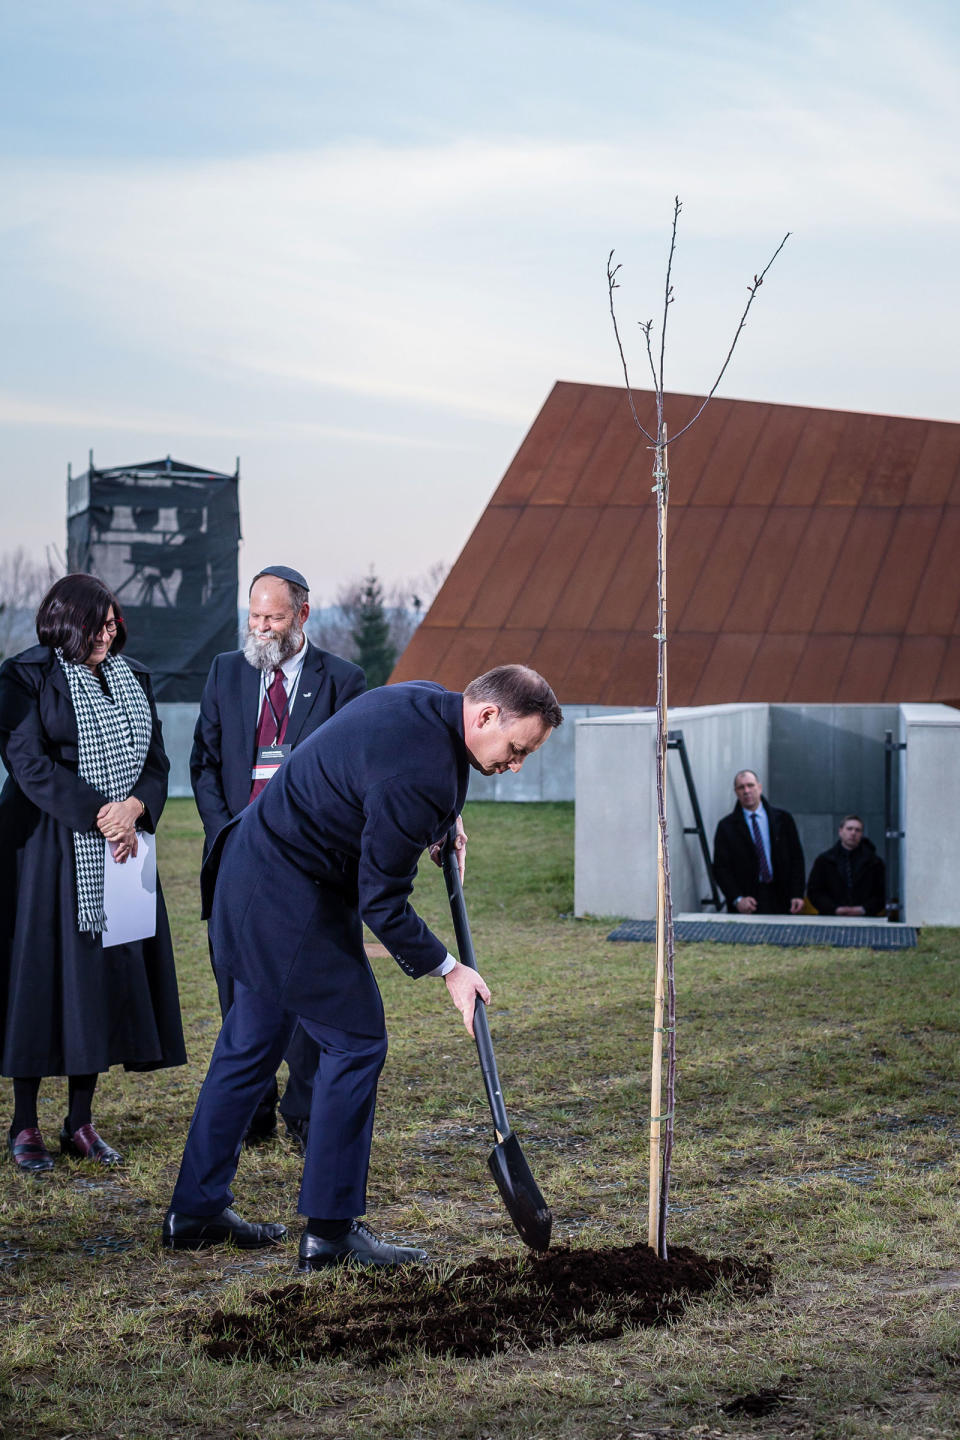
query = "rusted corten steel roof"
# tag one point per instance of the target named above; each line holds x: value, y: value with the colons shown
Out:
x: 813, y: 555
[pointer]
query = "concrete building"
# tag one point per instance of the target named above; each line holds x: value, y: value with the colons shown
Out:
x: 820, y: 762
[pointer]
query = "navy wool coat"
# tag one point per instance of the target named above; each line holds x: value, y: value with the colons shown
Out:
x: 67, y: 1006
x: 334, y: 841
x: 224, y: 739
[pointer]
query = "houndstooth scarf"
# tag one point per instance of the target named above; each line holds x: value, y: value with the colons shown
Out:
x: 114, y: 732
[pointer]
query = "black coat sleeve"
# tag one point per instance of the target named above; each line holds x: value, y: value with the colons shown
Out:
x: 151, y: 787
x: 819, y: 888
x: 26, y: 749
x: 876, y: 887
x: 206, y: 760
x: 724, y: 864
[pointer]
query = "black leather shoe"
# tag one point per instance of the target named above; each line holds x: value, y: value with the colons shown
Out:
x: 85, y: 1144
x: 360, y: 1246
x: 29, y: 1152
x: 296, y: 1129
x: 262, y: 1127
x: 196, y: 1232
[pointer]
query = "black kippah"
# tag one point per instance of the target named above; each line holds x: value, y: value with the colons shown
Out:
x: 284, y: 572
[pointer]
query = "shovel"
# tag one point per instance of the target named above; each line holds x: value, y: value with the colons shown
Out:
x: 526, y: 1206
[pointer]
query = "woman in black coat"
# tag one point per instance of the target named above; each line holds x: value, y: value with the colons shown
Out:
x: 81, y: 742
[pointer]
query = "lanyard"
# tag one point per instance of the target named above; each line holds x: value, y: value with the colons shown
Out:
x: 284, y: 715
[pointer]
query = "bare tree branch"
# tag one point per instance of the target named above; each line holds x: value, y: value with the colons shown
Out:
x: 667, y: 301
x: 611, y: 286
x: 23, y: 584
x: 647, y: 327
x: 757, y: 282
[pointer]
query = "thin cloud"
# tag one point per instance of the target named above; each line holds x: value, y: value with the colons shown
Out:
x: 435, y: 274
x: 16, y: 410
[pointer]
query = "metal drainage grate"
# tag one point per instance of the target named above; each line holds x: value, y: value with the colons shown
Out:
x: 725, y: 932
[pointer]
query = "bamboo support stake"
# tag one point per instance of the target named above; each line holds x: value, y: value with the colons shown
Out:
x: 656, y: 1073
x: 654, y: 1228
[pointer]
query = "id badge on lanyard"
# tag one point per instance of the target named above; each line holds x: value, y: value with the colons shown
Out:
x: 269, y: 759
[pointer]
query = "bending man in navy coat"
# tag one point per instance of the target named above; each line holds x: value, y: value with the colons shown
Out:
x: 278, y: 688
x: 333, y: 842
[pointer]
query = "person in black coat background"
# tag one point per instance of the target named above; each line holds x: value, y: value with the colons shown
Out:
x: 332, y: 843
x: 278, y: 689
x: 757, y: 855
x: 69, y: 1006
x: 849, y: 878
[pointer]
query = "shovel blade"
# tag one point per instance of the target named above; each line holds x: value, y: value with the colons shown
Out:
x: 526, y: 1206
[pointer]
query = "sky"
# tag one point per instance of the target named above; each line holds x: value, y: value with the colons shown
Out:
x: 354, y: 243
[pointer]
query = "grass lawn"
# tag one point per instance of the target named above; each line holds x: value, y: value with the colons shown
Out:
x: 817, y: 1122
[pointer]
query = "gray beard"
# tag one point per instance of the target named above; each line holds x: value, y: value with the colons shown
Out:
x: 270, y: 654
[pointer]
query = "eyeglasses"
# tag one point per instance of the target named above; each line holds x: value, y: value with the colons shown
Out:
x: 110, y: 626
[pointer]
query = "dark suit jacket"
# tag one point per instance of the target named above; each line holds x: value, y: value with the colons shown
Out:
x: 333, y: 841
x: 735, y: 858
x: 224, y: 739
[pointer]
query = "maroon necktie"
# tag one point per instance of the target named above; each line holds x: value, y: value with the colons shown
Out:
x: 269, y: 732
x: 762, y: 861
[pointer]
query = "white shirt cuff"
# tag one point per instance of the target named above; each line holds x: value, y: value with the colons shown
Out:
x: 445, y: 966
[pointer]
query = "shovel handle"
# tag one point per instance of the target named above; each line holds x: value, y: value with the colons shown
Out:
x: 481, y: 1030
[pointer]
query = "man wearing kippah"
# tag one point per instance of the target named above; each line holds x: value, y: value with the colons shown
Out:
x: 258, y: 704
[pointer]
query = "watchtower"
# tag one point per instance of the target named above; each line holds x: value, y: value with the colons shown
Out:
x: 163, y: 536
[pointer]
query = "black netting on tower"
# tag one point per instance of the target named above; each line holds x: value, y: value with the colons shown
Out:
x: 163, y: 536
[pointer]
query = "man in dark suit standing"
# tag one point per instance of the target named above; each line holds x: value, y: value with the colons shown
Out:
x: 757, y: 855
x: 333, y: 843
x: 258, y: 704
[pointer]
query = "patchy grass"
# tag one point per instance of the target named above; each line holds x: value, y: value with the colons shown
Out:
x: 818, y: 1123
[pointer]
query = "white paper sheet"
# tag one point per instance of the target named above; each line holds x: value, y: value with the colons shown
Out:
x: 130, y: 894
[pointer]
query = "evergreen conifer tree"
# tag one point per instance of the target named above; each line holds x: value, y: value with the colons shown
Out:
x: 371, y: 634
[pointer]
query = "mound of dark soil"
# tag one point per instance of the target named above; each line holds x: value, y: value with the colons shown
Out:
x: 481, y: 1308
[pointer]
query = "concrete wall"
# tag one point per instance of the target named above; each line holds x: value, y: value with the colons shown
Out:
x: 616, y: 832
x: 817, y: 761
x: 930, y: 777
x: 826, y: 761
x: 549, y: 772
x: 177, y: 722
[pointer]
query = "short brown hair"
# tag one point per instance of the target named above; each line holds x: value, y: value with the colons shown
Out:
x: 519, y: 692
